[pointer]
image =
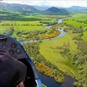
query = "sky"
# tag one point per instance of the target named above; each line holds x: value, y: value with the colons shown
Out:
x: 57, y: 3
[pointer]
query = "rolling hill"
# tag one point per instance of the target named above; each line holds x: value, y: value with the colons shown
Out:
x: 18, y: 7
x: 55, y: 10
x: 41, y: 9
x: 78, y: 9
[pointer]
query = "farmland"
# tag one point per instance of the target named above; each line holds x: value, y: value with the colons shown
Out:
x: 79, y: 21
x: 59, y: 56
x: 79, y: 17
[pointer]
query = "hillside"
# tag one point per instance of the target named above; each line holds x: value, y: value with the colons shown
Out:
x: 41, y: 8
x: 18, y: 7
x: 78, y: 9
x: 55, y: 10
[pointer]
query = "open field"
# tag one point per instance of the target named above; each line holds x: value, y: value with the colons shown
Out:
x: 59, y: 52
x: 74, y: 23
x: 80, y: 17
x: 25, y: 23
x: 28, y: 23
x: 84, y: 37
x: 49, y: 49
x: 21, y: 26
x: 79, y: 20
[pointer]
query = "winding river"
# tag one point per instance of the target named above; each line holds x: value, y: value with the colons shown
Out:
x: 48, y: 81
x: 62, y: 33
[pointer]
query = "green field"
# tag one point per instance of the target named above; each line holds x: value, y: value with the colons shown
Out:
x: 84, y: 37
x: 50, y: 52
x: 58, y: 52
x: 79, y: 21
x: 79, y: 16
x: 21, y: 26
x: 74, y: 23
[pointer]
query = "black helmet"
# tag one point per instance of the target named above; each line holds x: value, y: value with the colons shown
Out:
x: 18, y: 53
x: 12, y: 71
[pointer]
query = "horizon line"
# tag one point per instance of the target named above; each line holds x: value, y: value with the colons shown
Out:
x: 41, y: 5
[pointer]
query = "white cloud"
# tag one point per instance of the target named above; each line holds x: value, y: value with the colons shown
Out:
x: 59, y: 3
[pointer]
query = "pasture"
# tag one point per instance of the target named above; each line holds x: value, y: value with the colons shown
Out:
x: 51, y: 51
x: 75, y: 23
x: 20, y: 26
x: 79, y: 17
x: 79, y: 20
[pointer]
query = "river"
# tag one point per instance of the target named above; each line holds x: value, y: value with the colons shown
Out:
x: 48, y: 81
x: 62, y: 33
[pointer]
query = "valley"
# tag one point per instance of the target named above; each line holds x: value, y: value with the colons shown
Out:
x: 57, y: 57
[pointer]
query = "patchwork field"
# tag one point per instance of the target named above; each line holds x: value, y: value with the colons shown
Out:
x: 61, y: 52
x: 79, y: 21
x: 79, y: 17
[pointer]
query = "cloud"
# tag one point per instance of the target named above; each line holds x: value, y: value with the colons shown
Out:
x: 59, y: 3
x: 66, y: 3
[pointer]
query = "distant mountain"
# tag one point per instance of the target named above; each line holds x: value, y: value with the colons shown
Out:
x: 55, y: 10
x: 41, y: 8
x: 78, y: 9
x: 18, y: 7
x: 27, y: 9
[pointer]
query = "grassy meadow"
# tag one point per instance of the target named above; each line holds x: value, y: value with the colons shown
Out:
x: 79, y: 17
x: 21, y: 26
x: 75, y: 23
x: 79, y: 21
x: 51, y: 51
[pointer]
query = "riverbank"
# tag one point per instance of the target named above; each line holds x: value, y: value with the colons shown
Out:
x: 53, y: 34
x: 62, y: 33
x: 50, y: 82
x: 53, y: 50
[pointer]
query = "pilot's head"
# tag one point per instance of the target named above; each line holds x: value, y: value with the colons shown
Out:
x: 12, y: 71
